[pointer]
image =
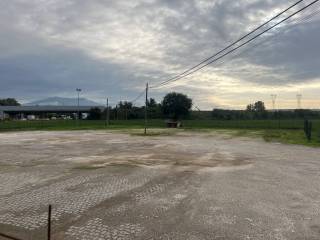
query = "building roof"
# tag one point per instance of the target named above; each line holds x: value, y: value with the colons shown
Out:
x: 47, y: 108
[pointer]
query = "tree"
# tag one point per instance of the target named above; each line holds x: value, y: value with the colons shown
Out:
x: 257, y: 110
x: 152, y: 103
x: 124, y: 105
x: 259, y: 107
x: 176, y: 105
x: 250, y: 108
x: 95, y: 114
x: 9, y: 102
x: 256, y: 107
x: 124, y: 109
x: 154, y: 109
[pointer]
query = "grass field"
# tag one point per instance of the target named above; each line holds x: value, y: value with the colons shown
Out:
x: 287, y: 131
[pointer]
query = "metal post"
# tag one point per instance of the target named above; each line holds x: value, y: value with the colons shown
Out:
x: 49, y: 223
x: 146, y: 111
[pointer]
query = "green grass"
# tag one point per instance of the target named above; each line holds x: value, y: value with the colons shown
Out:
x: 289, y: 136
x: 286, y: 131
x: 292, y: 137
x: 74, y: 125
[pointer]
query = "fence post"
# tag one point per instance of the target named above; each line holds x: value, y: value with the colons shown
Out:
x: 49, y: 223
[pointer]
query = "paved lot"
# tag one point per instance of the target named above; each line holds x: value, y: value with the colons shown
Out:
x: 187, y: 186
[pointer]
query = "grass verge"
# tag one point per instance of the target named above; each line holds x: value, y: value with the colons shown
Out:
x: 285, y: 131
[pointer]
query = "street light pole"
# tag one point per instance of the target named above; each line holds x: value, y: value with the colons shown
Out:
x: 78, y: 115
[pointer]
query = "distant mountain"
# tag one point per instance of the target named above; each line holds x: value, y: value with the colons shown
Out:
x: 59, y: 101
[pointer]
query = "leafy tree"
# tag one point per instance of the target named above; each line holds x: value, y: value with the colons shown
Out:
x: 154, y: 109
x: 124, y: 110
x: 259, y: 107
x: 152, y: 103
x: 257, y: 110
x: 250, y: 108
x: 124, y: 105
x: 176, y: 105
x: 9, y: 102
x: 95, y: 114
x: 256, y: 107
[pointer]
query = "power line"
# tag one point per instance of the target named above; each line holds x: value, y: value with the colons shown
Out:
x: 237, y: 41
x: 138, y: 97
x: 234, y: 49
x: 195, y: 69
x: 294, y: 24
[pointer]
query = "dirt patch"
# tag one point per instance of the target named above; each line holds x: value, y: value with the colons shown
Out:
x: 160, y: 158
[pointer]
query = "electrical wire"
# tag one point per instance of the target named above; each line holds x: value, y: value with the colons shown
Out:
x: 138, y: 97
x: 237, y: 41
x: 195, y: 69
x: 278, y: 34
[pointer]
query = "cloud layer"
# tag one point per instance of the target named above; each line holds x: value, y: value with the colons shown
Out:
x: 112, y: 48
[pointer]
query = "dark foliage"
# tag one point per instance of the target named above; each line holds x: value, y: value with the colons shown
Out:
x: 176, y: 105
x: 95, y: 114
x: 9, y: 102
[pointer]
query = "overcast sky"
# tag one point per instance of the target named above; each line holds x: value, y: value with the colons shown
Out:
x: 112, y: 48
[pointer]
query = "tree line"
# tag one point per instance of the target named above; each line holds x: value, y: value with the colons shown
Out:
x: 174, y: 106
x: 258, y: 110
x: 9, y: 102
x: 177, y: 106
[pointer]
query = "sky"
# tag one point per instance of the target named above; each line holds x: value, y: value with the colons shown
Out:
x: 113, y: 48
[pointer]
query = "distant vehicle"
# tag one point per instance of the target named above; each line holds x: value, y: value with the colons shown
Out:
x: 31, y: 117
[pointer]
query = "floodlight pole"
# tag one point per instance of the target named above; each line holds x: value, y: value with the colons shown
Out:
x: 146, y: 111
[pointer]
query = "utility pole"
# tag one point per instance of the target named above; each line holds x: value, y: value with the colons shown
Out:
x: 78, y: 114
x: 107, y: 113
x: 146, y: 111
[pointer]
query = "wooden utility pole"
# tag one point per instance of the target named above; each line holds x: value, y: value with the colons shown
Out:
x: 107, y: 113
x: 146, y: 111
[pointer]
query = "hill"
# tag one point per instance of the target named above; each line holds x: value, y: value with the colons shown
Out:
x: 59, y: 101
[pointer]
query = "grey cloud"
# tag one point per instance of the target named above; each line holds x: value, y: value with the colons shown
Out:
x: 38, y: 57
x: 41, y: 70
